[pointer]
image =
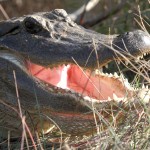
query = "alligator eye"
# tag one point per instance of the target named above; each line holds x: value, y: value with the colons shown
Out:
x: 32, y: 26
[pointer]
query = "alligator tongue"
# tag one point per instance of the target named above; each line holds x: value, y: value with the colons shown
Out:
x: 72, y: 77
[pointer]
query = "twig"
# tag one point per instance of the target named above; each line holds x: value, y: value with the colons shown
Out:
x: 75, y: 16
x: 8, y: 140
x: 4, y: 12
x: 103, y: 16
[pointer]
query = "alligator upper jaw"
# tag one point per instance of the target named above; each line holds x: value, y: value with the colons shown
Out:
x: 51, y: 38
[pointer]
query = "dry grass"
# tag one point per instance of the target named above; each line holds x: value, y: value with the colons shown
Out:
x: 132, y: 133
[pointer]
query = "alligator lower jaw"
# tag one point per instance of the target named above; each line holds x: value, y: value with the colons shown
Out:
x: 98, y: 87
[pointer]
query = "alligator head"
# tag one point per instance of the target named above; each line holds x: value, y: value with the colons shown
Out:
x: 54, y: 59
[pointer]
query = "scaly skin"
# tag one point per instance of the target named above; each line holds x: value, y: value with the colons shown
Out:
x: 63, y: 40
x: 51, y: 39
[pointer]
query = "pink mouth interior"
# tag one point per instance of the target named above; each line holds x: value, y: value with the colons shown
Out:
x: 72, y: 77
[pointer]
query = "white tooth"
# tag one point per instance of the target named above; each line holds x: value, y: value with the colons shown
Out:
x: 144, y: 54
x: 138, y: 58
x: 117, y: 99
x: 126, y: 62
x: 115, y: 96
x: 91, y: 99
x: 146, y: 86
x: 143, y: 86
x: 96, y: 71
x: 116, y: 75
x: 126, y: 80
x: 106, y: 66
x: 109, y: 98
x: 110, y: 75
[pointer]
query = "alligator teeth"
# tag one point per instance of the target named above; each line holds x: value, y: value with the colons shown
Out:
x: 138, y: 58
x: 97, y: 72
x: 109, y: 98
x: 106, y: 74
x: 110, y: 75
x: 87, y: 98
x: 141, y: 57
x: 116, y: 75
x: 126, y: 80
x: 143, y: 86
x: 106, y: 66
x: 116, y: 98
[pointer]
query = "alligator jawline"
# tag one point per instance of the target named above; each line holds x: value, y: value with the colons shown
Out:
x: 92, y: 86
x: 95, y: 86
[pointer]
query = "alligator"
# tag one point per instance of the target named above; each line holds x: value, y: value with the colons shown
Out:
x: 50, y: 74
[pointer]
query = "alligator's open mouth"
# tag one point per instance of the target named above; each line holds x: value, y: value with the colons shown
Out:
x: 98, y: 86
x: 94, y: 86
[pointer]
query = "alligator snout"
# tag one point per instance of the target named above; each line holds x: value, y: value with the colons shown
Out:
x: 146, y: 40
x: 141, y: 42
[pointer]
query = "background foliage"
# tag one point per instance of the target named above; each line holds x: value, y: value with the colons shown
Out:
x: 123, y: 21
